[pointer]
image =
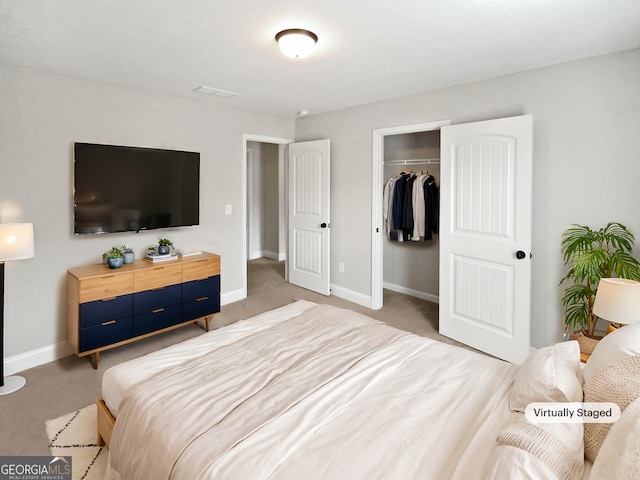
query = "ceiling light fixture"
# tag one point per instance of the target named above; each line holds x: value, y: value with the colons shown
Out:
x: 296, y: 42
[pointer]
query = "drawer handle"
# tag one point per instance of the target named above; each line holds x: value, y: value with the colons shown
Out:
x: 200, y: 261
x: 110, y: 322
x: 202, y: 299
x: 157, y: 310
x: 159, y: 268
x: 108, y: 299
x: 107, y: 276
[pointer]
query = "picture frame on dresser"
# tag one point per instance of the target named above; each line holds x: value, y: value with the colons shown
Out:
x: 108, y: 308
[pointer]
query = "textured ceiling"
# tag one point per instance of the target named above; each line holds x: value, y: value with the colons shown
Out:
x: 367, y: 50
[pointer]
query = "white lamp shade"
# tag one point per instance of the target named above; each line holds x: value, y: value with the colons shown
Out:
x: 296, y: 43
x: 16, y: 241
x: 618, y: 300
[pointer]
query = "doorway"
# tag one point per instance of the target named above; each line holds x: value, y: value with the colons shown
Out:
x: 485, y: 232
x: 379, y: 174
x: 264, y: 202
x: 264, y: 199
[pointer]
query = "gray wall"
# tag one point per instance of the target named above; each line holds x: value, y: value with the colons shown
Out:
x: 586, y: 143
x: 586, y: 119
x: 263, y: 216
x: 41, y: 115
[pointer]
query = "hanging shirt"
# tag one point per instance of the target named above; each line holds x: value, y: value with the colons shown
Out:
x: 432, y: 207
x: 418, y: 208
x: 407, y: 208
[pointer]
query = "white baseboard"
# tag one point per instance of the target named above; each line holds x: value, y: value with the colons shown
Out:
x: 234, y: 296
x: 267, y: 254
x: 414, y: 293
x: 50, y: 353
x: 256, y: 254
x: 355, y: 297
x: 34, y: 358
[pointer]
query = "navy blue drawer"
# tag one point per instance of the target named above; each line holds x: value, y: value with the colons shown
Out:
x: 153, y: 299
x: 156, y: 319
x: 201, y: 307
x: 105, y: 333
x: 200, y: 288
x: 99, y: 311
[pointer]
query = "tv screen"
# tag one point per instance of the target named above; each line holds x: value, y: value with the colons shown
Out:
x: 123, y: 189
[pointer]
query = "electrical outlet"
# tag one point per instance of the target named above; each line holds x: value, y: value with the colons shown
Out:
x: 341, y: 267
x: 227, y: 209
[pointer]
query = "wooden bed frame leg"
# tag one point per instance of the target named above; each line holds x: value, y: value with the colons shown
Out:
x: 105, y: 423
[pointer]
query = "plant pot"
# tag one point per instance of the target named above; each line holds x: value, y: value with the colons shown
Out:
x: 115, y: 262
x: 163, y: 249
x: 587, y: 344
x: 129, y: 257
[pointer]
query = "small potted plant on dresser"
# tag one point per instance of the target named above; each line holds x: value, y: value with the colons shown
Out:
x: 114, y: 257
x: 164, y: 246
x: 590, y: 256
x: 128, y: 254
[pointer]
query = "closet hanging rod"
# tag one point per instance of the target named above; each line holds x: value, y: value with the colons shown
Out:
x: 415, y: 161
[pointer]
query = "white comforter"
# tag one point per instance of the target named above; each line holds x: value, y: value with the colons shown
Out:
x: 329, y: 394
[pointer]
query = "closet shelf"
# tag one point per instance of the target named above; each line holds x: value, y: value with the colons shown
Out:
x: 415, y: 161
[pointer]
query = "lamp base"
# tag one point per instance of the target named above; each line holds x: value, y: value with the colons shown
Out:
x: 12, y: 384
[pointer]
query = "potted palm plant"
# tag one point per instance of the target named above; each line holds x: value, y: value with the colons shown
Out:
x: 590, y: 256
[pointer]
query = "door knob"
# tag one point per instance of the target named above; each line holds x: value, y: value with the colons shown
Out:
x: 520, y: 254
x: 323, y: 225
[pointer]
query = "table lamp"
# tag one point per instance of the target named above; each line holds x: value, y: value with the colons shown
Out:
x: 618, y: 300
x: 16, y: 243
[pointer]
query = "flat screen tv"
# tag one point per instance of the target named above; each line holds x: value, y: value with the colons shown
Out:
x: 124, y: 189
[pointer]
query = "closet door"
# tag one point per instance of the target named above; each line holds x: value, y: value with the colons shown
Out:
x: 309, y: 217
x: 485, y: 235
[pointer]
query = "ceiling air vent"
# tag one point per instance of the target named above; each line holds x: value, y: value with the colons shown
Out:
x: 216, y: 92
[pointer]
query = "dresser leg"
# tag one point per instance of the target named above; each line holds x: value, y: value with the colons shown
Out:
x: 206, y: 323
x: 95, y: 357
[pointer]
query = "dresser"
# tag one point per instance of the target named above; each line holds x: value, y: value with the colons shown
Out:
x: 107, y: 307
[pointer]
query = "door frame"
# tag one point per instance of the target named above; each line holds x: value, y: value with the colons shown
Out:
x: 377, y: 187
x: 248, y: 137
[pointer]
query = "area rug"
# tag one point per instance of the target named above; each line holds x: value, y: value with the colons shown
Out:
x: 76, y: 434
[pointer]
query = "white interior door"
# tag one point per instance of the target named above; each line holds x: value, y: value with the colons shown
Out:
x: 485, y: 235
x: 309, y: 215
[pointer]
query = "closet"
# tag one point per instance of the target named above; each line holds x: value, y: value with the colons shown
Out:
x: 409, y: 266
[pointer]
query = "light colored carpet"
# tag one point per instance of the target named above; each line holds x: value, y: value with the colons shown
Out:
x: 75, y: 435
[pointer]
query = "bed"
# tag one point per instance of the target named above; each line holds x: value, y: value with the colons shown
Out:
x: 318, y: 392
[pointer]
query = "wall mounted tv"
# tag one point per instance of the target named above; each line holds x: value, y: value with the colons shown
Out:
x: 123, y: 189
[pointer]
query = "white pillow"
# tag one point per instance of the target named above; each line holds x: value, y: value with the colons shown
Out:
x: 528, y: 451
x: 550, y: 374
x: 617, y: 382
x: 619, y: 457
x: 624, y: 342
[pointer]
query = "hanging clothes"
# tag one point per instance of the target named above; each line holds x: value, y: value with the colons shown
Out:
x: 432, y: 207
x: 411, y: 207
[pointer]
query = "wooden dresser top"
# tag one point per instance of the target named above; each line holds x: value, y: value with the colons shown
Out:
x: 102, y: 269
